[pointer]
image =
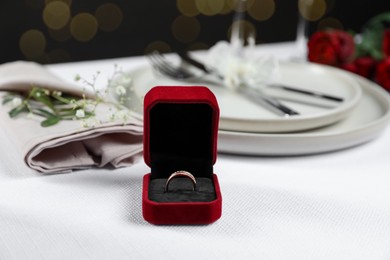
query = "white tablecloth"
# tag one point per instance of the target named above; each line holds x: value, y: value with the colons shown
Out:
x: 327, y: 206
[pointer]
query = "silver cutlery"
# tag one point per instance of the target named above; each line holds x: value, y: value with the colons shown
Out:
x: 178, y: 72
x: 316, y: 94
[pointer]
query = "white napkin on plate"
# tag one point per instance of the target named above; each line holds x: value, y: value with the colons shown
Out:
x: 67, y: 145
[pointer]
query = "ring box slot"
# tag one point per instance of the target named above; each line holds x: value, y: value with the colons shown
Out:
x: 180, y: 133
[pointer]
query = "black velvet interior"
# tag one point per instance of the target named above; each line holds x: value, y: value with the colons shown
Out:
x: 180, y: 190
x: 181, y: 139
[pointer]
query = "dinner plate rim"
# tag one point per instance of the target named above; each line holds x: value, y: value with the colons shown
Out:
x: 303, y: 143
x: 279, y: 125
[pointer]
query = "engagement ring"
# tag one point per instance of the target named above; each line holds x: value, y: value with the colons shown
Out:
x: 180, y: 174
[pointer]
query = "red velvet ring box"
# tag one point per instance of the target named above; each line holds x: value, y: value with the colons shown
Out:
x: 180, y: 133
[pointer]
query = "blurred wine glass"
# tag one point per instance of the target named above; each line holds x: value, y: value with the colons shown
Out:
x: 308, y: 10
x: 237, y: 39
x: 300, y: 52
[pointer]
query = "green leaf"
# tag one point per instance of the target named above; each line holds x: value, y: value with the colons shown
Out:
x: 17, y: 110
x: 64, y: 113
x: 379, y: 20
x: 40, y: 95
x: 45, y: 100
x: 63, y: 99
x: 43, y: 112
x: 50, y: 121
x: 89, y: 114
x: 8, y: 98
x: 372, y: 36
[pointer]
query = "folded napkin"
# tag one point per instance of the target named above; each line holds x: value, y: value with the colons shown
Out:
x: 68, y: 145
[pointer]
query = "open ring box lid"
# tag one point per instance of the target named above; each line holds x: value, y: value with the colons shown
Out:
x: 180, y: 133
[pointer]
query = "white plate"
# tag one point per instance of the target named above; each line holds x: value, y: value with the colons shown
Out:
x: 367, y: 121
x: 240, y: 114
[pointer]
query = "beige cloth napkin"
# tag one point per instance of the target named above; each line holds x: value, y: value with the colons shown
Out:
x: 68, y: 145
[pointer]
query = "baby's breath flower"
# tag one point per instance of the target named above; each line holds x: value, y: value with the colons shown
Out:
x: 120, y: 90
x: 122, y: 114
x: 16, y: 101
x: 125, y: 80
x: 30, y: 115
x: 90, y: 122
x: 80, y: 113
x: 57, y: 93
x: 89, y: 107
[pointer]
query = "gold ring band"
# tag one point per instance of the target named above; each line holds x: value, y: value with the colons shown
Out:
x: 180, y: 174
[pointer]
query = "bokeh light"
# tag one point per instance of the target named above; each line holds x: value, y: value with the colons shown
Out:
x: 312, y: 10
x: 210, y: 7
x: 262, y: 10
x: 187, y: 7
x: 227, y: 7
x: 109, y: 17
x: 32, y: 44
x: 62, y: 34
x: 56, y: 15
x: 330, y: 22
x: 241, y: 6
x: 160, y: 46
x: 68, y: 2
x: 83, y: 27
x: 70, y: 26
x: 185, y: 29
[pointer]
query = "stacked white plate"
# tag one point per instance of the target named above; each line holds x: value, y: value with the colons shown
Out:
x: 321, y: 126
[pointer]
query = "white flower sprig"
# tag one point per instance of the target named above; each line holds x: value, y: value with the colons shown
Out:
x: 241, y: 66
x: 54, y: 106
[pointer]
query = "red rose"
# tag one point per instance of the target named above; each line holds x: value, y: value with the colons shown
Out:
x: 350, y: 67
x: 332, y: 47
x: 386, y: 43
x: 364, y: 66
x: 322, y: 48
x: 347, y: 46
x: 382, y: 74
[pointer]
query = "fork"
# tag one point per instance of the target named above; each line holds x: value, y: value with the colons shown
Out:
x: 163, y: 66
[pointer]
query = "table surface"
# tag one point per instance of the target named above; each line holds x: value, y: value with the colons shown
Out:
x: 327, y: 206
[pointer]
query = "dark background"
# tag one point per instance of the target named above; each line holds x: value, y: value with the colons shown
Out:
x: 147, y: 24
